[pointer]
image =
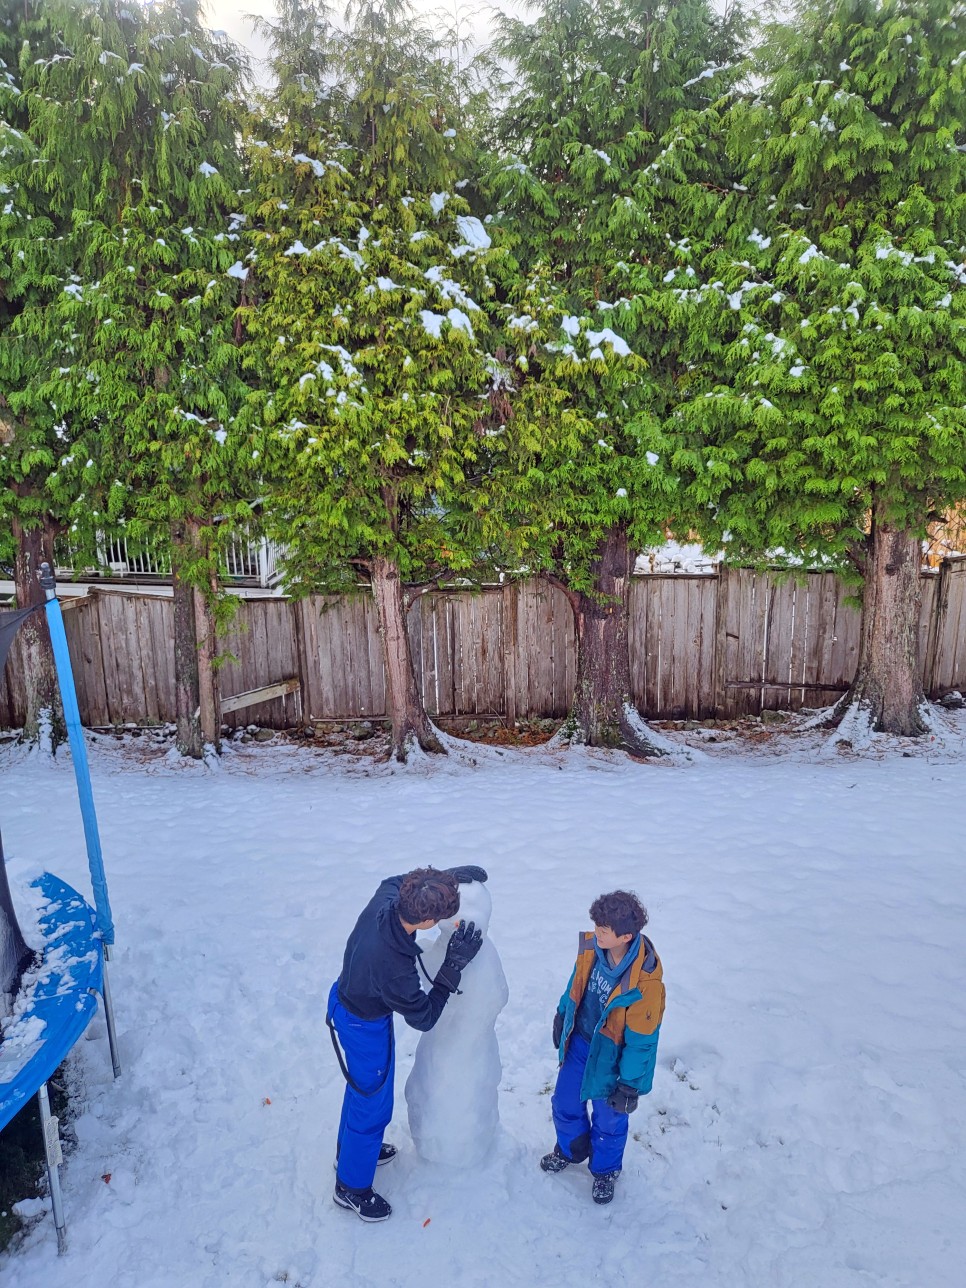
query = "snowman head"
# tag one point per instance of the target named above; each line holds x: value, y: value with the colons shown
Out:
x: 475, y: 905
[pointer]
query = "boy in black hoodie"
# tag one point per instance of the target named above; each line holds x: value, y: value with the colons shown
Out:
x: 379, y: 977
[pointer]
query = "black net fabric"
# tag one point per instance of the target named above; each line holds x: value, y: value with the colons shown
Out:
x: 14, y: 953
x: 10, y: 619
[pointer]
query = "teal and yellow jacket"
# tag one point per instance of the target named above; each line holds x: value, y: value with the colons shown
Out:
x: 624, y: 1046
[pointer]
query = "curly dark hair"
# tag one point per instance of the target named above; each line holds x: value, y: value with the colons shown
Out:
x: 427, y: 894
x: 620, y: 911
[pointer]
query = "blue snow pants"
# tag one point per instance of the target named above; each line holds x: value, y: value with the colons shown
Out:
x: 600, y: 1136
x: 370, y: 1057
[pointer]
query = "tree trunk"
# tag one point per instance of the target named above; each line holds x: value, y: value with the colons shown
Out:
x: 410, y: 723
x: 186, y: 681
x: 603, y: 712
x: 209, y: 699
x: 44, y: 721
x: 887, y: 688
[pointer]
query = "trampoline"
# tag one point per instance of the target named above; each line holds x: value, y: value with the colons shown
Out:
x: 52, y: 990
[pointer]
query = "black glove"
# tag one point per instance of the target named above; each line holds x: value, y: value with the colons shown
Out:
x: 623, y: 1100
x: 464, y: 943
x: 464, y: 875
x: 449, y: 978
x: 557, y: 1029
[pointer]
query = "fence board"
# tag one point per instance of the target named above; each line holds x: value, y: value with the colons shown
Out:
x: 92, y: 657
x: 477, y: 647
x: 746, y: 641
x: 123, y: 647
x: 446, y: 693
x: 75, y: 628
x: 780, y: 643
x: 684, y: 669
x: 543, y: 618
x: 493, y: 700
x: 330, y: 651
x: 330, y: 638
x: 525, y: 704
x: 702, y: 595
x: 148, y: 662
x: 950, y: 665
x: 426, y: 677
x: 162, y: 643
x: 820, y: 641
x: 927, y: 614
x: 845, y: 642
x: 356, y: 657
x: 510, y: 603
x: 643, y: 606
x: 564, y: 652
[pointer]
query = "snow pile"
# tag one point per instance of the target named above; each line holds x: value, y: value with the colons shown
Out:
x: 676, y: 557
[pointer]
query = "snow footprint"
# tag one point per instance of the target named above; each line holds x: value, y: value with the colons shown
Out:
x: 672, y: 1106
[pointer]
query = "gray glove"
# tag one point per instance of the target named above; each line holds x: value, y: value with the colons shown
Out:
x: 623, y: 1100
x: 557, y: 1029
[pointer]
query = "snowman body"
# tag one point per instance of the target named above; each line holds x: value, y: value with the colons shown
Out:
x: 452, y: 1092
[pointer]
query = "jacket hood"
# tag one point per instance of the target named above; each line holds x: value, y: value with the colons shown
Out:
x: 391, y: 929
x: 646, y: 962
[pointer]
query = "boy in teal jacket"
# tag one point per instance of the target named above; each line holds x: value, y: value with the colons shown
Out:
x: 605, y: 1030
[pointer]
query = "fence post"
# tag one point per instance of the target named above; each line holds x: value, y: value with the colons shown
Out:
x: 511, y: 598
x: 719, y: 667
x: 298, y: 630
x: 937, y: 625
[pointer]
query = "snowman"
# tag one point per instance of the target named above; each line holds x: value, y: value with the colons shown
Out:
x: 452, y: 1090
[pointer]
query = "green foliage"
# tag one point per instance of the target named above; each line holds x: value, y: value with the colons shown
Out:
x: 829, y: 326
x: 736, y: 310
x: 27, y: 430
x: 132, y: 344
x: 369, y: 332
x: 595, y: 88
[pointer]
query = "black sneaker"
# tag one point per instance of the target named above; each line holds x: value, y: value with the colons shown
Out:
x: 386, y: 1154
x: 367, y: 1204
x: 604, y: 1186
x: 555, y: 1162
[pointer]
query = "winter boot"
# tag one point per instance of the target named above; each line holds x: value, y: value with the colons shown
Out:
x: 555, y: 1162
x: 367, y: 1204
x: 604, y: 1186
x: 386, y: 1154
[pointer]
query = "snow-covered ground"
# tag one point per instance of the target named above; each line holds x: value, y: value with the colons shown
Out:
x: 807, y: 1127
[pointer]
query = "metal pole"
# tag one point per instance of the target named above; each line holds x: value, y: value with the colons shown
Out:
x: 109, y: 1013
x: 78, y: 749
x: 75, y: 734
x: 51, y: 1129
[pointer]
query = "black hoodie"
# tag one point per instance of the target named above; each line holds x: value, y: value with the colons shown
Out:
x: 379, y: 970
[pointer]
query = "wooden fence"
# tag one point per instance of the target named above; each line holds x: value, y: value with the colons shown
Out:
x: 723, y: 645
